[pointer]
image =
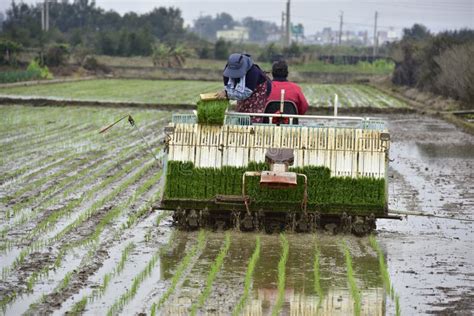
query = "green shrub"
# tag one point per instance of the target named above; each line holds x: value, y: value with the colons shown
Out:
x: 212, y: 112
x: 33, y: 72
x: 42, y: 72
x: 57, y: 55
x: 8, y: 51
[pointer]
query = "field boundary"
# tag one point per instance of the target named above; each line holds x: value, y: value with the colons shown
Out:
x: 44, y: 101
x: 420, y: 108
x: 51, y: 101
x: 202, y: 74
x: 45, y: 81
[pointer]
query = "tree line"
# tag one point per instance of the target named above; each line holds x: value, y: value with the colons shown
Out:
x: 440, y: 63
x: 82, y: 23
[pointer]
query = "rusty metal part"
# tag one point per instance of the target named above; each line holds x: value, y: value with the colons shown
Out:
x: 277, y: 180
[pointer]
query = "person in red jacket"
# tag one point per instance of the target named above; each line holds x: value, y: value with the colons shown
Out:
x: 292, y: 90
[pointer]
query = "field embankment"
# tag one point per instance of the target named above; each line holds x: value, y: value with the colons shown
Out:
x: 180, y: 94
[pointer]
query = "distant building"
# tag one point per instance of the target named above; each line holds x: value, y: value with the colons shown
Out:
x: 392, y: 35
x: 238, y: 33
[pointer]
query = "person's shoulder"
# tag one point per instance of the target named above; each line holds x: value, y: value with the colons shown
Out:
x: 255, y: 69
x: 293, y: 85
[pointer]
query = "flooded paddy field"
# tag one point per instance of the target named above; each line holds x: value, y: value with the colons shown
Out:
x: 78, y: 235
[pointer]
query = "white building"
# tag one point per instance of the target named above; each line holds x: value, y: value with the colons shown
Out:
x: 238, y: 33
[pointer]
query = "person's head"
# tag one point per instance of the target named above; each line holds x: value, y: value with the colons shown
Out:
x: 280, y: 69
x: 238, y: 65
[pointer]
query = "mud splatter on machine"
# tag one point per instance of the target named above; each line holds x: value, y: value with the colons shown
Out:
x: 323, y: 171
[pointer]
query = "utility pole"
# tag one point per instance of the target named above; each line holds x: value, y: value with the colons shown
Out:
x: 283, y: 33
x: 45, y: 16
x: 376, y: 40
x: 341, y: 18
x: 288, y: 25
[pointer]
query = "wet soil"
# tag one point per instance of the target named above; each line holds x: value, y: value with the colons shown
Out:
x: 430, y: 260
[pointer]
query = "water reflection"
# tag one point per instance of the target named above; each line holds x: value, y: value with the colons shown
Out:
x: 300, y: 295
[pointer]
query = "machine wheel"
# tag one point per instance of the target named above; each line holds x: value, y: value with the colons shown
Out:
x: 361, y: 226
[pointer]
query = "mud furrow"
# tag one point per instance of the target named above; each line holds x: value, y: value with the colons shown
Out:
x: 123, y: 137
x: 80, y: 275
x: 64, y: 185
x: 92, y: 216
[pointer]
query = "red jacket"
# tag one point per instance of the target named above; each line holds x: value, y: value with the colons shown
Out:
x: 292, y: 93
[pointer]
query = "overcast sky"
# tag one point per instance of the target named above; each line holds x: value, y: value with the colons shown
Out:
x: 437, y: 15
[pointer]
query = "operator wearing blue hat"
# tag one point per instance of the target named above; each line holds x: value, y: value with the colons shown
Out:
x: 245, y: 82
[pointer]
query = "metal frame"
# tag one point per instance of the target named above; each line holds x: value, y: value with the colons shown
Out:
x: 314, y: 117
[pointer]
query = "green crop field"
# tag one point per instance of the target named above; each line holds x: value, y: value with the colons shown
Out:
x: 78, y: 235
x: 187, y: 92
x: 377, y: 68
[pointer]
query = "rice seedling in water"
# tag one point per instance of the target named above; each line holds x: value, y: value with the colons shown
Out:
x: 132, y: 291
x: 317, y: 278
x: 215, y: 267
x: 355, y: 292
x: 180, y: 270
x: 37, y: 245
x: 248, y: 278
x: 281, y: 275
x: 384, y: 273
x: 398, y: 310
x: 79, y: 307
x: 382, y: 266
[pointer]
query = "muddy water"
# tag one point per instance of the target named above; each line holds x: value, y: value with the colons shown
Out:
x: 430, y: 260
x: 300, y: 296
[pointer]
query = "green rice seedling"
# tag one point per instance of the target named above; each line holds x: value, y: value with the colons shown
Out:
x: 20, y: 259
x: 212, y: 112
x: 116, y: 211
x: 101, y: 202
x: 123, y: 258
x: 326, y: 193
x: 248, y: 278
x: 180, y: 270
x: 97, y: 205
x: 281, y: 275
x: 382, y: 266
x: 7, y: 299
x: 132, y: 291
x: 317, y: 278
x: 131, y: 90
x: 355, y: 292
x: 87, y: 177
x: 43, y: 180
x: 398, y: 310
x: 64, y: 282
x: 214, y: 269
x: 55, y: 216
x: 79, y: 307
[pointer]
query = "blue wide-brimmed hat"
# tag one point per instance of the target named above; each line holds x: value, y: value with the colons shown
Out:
x: 238, y: 65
